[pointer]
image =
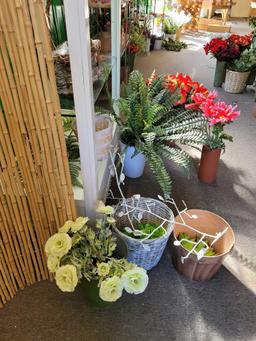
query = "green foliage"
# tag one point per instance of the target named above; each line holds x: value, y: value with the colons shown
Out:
x: 168, y: 27
x: 252, y: 22
x: 189, y: 244
x: 174, y: 45
x: 147, y: 229
x: 217, y: 137
x: 149, y: 122
x: 57, y: 22
x: 246, y: 62
x: 73, y: 151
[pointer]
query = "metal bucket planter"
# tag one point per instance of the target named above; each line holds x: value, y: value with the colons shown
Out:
x: 103, y: 136
x: 205, y: 222
x: 220, y: 73
x: 252, y: 78
x: 235, y: 82
x: 158, y: 44
x: 146, y: 253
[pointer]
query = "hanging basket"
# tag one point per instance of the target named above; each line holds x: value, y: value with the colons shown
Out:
x: 145, y: 253
x: 103, y: 136
x: 235, y: 82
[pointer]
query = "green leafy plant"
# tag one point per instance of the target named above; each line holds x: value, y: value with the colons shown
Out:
x: 246, y: 61
x: 73, y: 150
x: 79, y: 252
x: 146, y: 229
x: 57, y: 21
x: 174, y: 45
x: 189, y: 243
x: 169, y: 27
x: 149, y: 122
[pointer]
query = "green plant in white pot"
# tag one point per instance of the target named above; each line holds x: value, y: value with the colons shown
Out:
x: 239, y: 70
x: 169, y: 29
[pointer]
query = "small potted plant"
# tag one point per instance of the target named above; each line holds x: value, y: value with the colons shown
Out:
x: 136, y: 44
x: 79, y: 253
x: 148, y: 121
x: 169, y: 29
x: 238, y: 72
x: 178, y: 19
x: 158, y: 42
x: 218, y: 114
x: 201, y: 241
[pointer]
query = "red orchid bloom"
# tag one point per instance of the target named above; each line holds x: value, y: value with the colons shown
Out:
x: 219, y: 112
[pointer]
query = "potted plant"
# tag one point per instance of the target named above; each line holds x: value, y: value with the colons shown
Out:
x: 201, y: 241
x: 169, y: 29
x: 158, y: 42
x: 225, y: 51
x: 148, y: 122
x: 78, y: 253
x: 178, y: 19
x: 136, y: 44
x: 238, y: 72
x: 218, y: 114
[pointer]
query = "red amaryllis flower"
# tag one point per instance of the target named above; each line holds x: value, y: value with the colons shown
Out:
x: 219, y: 112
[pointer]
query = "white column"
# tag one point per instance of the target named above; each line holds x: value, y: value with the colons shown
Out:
x: 78, y: 31
x: 115, y: 46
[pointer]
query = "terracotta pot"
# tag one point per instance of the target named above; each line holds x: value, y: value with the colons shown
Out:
x: 206, y: 222
x: 209, y: 164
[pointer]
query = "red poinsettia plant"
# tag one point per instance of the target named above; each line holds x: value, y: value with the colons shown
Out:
x: 243, y: 42
x: 218, y: 114
x: 222, y: 49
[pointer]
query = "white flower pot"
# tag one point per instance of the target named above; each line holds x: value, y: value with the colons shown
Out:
x: 158, y: 44
x: 147, y: 46
x: 170, y: 36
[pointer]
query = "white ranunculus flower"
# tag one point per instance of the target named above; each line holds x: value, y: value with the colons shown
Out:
x: 66, y: 227
x: 103, y: 269
x: 111, y: 220
x: 79, y: 223
x: 58, y: 245
x: 53, y: 263
x: 135, y: 280
x: 66, y: 278
x: 111, y: 289
x: 108, y: 210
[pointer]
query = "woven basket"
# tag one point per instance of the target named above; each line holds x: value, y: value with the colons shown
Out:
x: 235, y: 82
x: 148, y: 253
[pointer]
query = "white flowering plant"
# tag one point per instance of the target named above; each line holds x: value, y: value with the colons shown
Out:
x: 78, y: 251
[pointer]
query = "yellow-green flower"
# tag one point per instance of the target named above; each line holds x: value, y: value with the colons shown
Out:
x: 108, y: 210
x: 103, y: 269
x: 111, y: 220
x: 66, y: 278
x: 66, y: 227
x: 58, y: 245
x: 53, y: 263
x: 135, y: 280
x: 111, y: 289
x: 79, y: 223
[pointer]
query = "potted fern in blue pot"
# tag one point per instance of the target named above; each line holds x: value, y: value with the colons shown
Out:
x: 150, y: 125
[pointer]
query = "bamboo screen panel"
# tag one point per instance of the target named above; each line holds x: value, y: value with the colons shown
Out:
x: 36, y: 194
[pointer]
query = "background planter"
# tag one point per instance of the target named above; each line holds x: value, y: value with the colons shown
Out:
x: 178, y: 34
x: 209, y: 162
x: 130, y: 59
x: 158, y: 44
x: 133, y: 164
x: 105, y: 38
x: 220, y: 73
x: 148, y: 254
x: 103, y: 136
x: 252, y: 77
x: 147, y: 45
x: 206, y: 267
x: 170, y: 36
x: 235, y: 82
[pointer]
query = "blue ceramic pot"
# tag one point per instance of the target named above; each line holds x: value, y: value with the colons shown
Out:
x: 133, y: 163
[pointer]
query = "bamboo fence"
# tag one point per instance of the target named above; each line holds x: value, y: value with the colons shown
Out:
x: 36, y: 194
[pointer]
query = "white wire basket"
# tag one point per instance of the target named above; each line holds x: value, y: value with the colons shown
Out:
x: 130, y: 212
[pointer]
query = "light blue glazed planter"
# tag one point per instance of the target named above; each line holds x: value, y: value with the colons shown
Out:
x: 133, y: 165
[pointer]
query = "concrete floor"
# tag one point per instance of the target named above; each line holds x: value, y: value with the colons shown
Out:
x: 172, y: 308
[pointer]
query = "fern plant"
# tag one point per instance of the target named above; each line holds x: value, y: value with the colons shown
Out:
x: 149, y: 122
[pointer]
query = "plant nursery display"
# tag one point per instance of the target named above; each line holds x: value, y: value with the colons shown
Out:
x: 211, y: 238
x: 149, y: 122
x: 226, y: 50
x: 239, y: 70
x: 78, y: 253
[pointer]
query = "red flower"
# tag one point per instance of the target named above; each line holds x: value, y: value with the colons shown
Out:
x: 242, y: 41
x: 219, y: 112
x: 223, y: 49
x: 200, y: 98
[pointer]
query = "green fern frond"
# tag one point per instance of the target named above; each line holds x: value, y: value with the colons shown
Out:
x: 175, y: 154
